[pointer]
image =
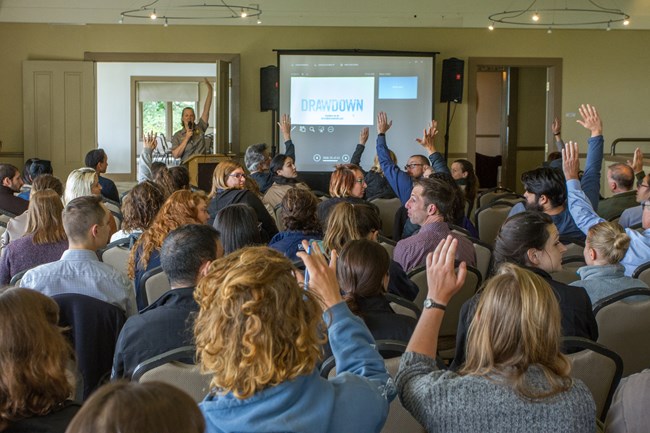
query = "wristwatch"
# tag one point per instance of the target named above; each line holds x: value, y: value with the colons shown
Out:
x: 430, y: 303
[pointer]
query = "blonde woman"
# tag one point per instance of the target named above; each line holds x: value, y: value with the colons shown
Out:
x: 514, y: 379
x: 606, y: 245
x: 84, y: 182
x: 259, y: 333
x: 45, y: 240
x: 229, y: 187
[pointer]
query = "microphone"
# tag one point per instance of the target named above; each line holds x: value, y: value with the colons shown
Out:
x: 190, y: 124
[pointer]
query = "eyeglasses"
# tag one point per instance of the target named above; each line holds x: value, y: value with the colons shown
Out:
x: 639, y: 186
x: 408, y: 166
x: 238, y: 175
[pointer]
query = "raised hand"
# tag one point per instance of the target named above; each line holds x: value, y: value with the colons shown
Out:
x: 590, y: 119
x: 556, y: 126
x: 571, y: 160
x: 208, y: 83
x: 428, y: 137
x: 322, y: 276
x: 363, y: 136
x: 150, y: 141
x: 442, y: 280
x: 383, y: 124
x: 637, y: 161
x: 285, y: 127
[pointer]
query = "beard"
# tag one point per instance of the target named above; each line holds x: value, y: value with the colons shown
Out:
x: 533, y: 206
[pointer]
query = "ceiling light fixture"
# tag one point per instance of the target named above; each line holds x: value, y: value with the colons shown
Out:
x: 545, y: 14
x: 217, y: 10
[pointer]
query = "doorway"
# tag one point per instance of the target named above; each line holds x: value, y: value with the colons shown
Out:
x: 512, y: 102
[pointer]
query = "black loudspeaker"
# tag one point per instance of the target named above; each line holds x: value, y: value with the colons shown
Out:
x: 269, y: 97
x: 451, y: 89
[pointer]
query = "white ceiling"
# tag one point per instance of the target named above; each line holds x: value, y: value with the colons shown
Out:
x: 345, y: 13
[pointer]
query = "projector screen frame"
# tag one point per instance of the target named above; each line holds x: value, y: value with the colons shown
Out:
x: 356, y: 52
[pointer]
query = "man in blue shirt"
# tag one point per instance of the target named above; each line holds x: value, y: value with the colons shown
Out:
x: 545, y: 188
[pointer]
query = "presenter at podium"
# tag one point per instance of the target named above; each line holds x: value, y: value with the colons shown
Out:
x: 191, y: 139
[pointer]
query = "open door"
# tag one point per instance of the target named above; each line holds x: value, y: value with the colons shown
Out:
x: 223, y: 136
x: 59, y: 112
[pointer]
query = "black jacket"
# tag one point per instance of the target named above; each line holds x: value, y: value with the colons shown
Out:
x: 227, y: 197
x: 575, y: 306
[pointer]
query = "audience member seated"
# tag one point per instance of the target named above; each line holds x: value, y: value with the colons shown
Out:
x: 166, y: 324
x: 98, y: 160
x: 85, y: 220
x: 430, y: 207
x: 620, y: 181
x: 514, y: 379
x: 139, y: 208
x: 284, y: 172
x: 45, y: 240
x: 17, y: 226
x: 629, y: 410
x: 632, y: 217
x: 182, y: 207
x: 34, y: 167
x: 378, y: 186
x: 145, y: 161
x: 463, y: 173
x: 258, y: 160
x: 131, y: 407
x: 545, y: 188
x: 603, y: 276
x: 84, y: 182
x: 457, y: 214
x: 300, y: 222
x: 228, y: 187
x: 362, y: 272
x: 350, y: 222
x: 11, y: 184
x: 585, y: 217
x: 36, y: 387
x: 259, y: 334
x: 181, y: 177
x: 531, y: 240
x: 347, y: 184
x: 239, y: 227
x: 400, y: 181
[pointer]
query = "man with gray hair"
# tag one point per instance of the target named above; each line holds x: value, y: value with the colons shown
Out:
x: 258, y: 159
x: 620, y: 180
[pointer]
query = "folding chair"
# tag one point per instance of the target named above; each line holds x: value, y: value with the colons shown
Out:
x: 624, y: 327
x: 116, y: 254
x: 643, y: 273
x: 490, y: 218
x: 598, y: 367
x: 168, y: 368
x: 387, y: 209
x: 155, y: 284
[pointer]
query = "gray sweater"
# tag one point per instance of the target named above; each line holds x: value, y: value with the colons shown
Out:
x: 443, y: 401
x: 601, y: 281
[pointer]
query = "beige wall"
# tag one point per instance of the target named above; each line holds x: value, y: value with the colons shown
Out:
x: 607, y: 69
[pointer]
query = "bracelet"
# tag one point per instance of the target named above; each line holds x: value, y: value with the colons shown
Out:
x: 430, y: 303
x: 556, y: 133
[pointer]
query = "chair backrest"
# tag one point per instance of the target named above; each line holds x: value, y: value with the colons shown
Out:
x: 166, y: 368
x: 643, y: 273
x: 403, y: 306
x: 483, y: 257
x: 117, y: 254
x: 491, y: 195
x: 574, y: 250
x: 570, y: 266
x: 490, y: 218
x: 155, y: 283
x: 93, y: 328
x: 277, y: 215
x: 15, y: 280
x: 452, y: 314
x: 399, y: 419
x: 387, y: 209
x: 598, y: 367
x: 624, y: 327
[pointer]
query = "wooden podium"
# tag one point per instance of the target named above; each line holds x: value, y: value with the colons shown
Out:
x: 201, y: 168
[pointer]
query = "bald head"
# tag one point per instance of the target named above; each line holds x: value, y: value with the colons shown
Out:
x: 620, y: 178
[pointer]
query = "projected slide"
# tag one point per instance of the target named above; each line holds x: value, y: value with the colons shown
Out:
x: 332, y: 100
x: 331, y: 97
